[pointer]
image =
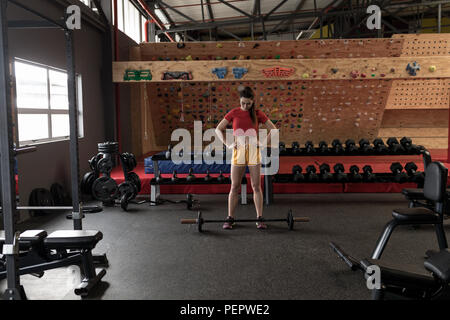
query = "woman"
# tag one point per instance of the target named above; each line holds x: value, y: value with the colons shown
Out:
x: 245, y: 120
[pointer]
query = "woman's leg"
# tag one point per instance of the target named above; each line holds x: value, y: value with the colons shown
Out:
x: 237, y: 172
x: 255, y: 177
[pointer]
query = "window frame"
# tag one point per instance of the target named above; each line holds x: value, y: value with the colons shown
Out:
x: 48, y: 111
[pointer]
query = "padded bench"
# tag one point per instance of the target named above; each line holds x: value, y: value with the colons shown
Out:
x: 73, y: 239
x: 67, y: 239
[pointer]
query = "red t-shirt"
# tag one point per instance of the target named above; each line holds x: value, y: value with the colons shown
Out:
x: 242, y: 122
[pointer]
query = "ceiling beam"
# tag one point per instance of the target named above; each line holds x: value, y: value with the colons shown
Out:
x: 290, y: 18
x: 236, y: 8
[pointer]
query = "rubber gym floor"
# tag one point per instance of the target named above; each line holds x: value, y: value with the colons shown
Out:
x: 153, y: 256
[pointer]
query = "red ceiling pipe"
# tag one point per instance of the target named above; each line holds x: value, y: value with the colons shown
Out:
x: 116, y: 85
x: 159, y: 24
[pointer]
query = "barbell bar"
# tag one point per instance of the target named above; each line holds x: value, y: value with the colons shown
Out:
x: 200, y: 220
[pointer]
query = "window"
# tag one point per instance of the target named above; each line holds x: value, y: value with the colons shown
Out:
x: 130, y: 20
x: 43, y: 103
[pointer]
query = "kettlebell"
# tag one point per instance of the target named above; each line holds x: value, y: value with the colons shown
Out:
x: 208, y: 178
x: 221, y: 177
x: 190, y: 177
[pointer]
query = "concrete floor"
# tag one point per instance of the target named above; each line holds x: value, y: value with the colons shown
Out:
x: 153, y: 256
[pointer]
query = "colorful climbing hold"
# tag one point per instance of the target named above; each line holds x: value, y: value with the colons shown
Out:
x: 305, y: 76
x: 432, y: 68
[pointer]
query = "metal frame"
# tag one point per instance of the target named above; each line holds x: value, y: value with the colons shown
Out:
x: 14, y: 289
x: 340, y: 11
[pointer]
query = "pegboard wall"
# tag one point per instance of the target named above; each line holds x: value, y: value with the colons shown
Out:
x: 419, y: 108
x: 424, y: 44
x: 302, y: 109
x: 419, y: 94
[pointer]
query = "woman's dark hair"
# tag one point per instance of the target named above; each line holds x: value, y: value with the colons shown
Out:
x: 248, y: 93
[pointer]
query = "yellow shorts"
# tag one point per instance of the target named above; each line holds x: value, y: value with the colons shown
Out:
x: 246, y: 156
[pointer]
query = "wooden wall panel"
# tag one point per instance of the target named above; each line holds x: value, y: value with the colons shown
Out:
x: 308, y: 49
x: 419, y: 94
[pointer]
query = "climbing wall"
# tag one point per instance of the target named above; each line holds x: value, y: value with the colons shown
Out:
x: 304, y: 109
x: 418, y: 108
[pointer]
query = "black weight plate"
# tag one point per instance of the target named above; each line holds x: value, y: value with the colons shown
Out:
x: 87, y: 181
x: 133, y: 177
x: 128, y: 189
x: 93, y: 162
x: 290, y: 220
x: 59, y: 194
x: 104, y: 165
x: 104, y: 189
x: 200, y: 222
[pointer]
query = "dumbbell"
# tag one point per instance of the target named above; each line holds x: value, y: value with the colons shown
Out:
x: 311, y: 173
x: 296, y: 147
x: 399, y: 176
x: 174, y: 176
x: 414, y: 176
x: 297, y: 172
x: 365, y: 147
x: 221, y: 178
x: 309, y: 147
x: 394, y: 145
x: 282, y: 147
x: 337, y: 146
x: 339, y: 170
x: 190, y: 177
x: 406, y: 142
x: 323, y: 147
x: 379, y: 145
x: 355, y: 176
x: 207, y: 178
x: 350, y: 146
x: 368, y: 174
x: 325, y: 173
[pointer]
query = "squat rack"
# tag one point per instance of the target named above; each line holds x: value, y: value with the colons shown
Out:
x: 10, y: 248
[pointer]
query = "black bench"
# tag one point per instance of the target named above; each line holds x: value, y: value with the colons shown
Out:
x: 405, y: 281
x: 40, y: 252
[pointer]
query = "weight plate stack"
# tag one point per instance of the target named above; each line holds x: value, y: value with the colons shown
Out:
x: 108, y: 147
x: 104, y: 189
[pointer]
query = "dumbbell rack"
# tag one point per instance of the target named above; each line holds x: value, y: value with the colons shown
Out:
x: 285, y: 178
x: 155, y: 191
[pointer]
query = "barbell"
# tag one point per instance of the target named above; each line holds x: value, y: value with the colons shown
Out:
x: 290, y: 220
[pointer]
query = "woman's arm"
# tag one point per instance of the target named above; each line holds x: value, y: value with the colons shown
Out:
x: 220, y: 130
x: 269, y: 126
